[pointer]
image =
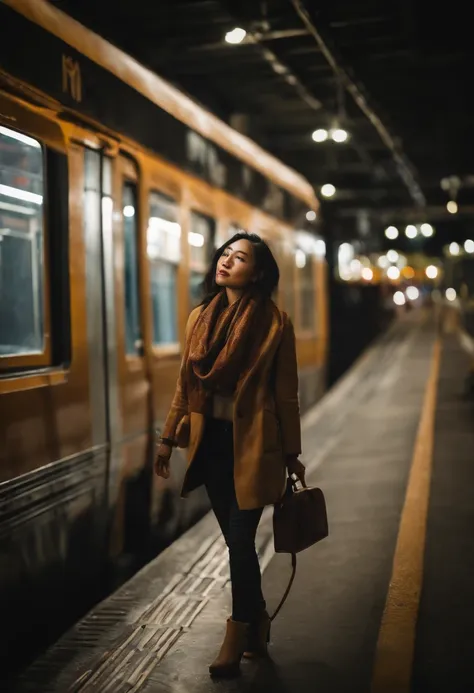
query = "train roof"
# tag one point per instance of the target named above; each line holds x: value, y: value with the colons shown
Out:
x: 164, y: 95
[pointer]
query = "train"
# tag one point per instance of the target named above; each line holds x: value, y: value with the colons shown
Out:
x: 115, y: 190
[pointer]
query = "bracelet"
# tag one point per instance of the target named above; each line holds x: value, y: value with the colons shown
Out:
x: 167, y: 441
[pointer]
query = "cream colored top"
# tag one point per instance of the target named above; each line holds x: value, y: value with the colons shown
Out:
x: 223, y: 407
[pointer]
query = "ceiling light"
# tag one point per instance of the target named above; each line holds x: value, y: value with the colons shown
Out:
x: 311, y: 215
x: 431, y: 272
x: 469, y: 246
x: 367, y: 274
x: 235, y: 36
x: 392, y: 255
x: 412, y: 293
x: 399, y: 298
x: 320, y: 135
x: 391, y: 232
x: 411, y: 231
x: 328, y: 190
x: 452, y: 207
x: 451, y: 294
x: 427, y: 230
x: 339, y: 135
x: 454, y: 248
x: 393, y: 273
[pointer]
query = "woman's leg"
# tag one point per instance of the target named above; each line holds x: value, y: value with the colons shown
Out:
x: 247, y: 598
x: 239, y: 527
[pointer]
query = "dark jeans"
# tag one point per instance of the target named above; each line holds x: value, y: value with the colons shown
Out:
x: 239, y: 527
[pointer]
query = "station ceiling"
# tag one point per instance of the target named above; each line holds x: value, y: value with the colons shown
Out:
x: 394, y: 74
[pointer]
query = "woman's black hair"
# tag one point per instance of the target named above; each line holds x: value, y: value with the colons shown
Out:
x: 268, y: 274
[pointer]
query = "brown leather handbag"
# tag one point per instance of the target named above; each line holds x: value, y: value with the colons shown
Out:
x: 299, y: 521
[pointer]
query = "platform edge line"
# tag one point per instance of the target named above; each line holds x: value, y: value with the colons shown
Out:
x: 394, y: 653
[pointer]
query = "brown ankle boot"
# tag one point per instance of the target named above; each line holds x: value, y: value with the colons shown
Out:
x: 227, y: 662
x: 258, y: 637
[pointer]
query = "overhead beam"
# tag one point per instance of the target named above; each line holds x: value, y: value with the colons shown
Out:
x: 403, y: 166
x: 398, y: 214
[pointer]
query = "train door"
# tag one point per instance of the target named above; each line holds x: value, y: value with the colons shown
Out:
x: 119, y: 380
x: 130, y: 480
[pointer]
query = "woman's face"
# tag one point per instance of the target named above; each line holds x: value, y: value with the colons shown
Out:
x: 236, y: 266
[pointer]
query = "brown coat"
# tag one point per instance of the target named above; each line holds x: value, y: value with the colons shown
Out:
x: 266, y: 419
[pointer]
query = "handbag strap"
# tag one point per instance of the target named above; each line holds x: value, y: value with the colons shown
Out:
x: 287, y: 591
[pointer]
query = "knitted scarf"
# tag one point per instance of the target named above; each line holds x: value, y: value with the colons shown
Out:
x: 224, y: 345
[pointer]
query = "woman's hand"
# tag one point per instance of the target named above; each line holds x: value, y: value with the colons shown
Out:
x: 162, y: 462
x: 296, y: 468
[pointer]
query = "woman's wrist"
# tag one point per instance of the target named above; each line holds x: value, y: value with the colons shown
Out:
x: 163, y: 440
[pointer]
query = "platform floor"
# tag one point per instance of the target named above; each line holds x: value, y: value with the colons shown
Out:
x: 386, y: 603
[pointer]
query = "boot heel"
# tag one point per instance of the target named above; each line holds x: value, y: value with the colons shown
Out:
x: 259, y: 638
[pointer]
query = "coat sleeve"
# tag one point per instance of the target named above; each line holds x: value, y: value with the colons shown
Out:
x: 286, y: 391
x: 179, y: 405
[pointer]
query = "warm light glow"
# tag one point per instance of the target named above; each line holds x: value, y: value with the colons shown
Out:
x: 411, y: 231
x: 391, y: 232
x: 356, y: 268
x: 235, y: 36
x: 392, y: 256
x: 300, y: 258
x: 469, y: 246
x: 320, y: 135
x: 328, y: 190
x: 345, y: 254
x: 454, y: 248
x: 399, y: 298
x: 412, y: 293
x: 382, y: 261
x: 408, y: 272
x: 431, y: 272
x: 367, y: 274
x: 339, y: 135
x: 452, y: 207
x: 393, y: 273
x: 311, y: 215
x: 451, y: 294
x: 320, y: 248
x: 427, y: 230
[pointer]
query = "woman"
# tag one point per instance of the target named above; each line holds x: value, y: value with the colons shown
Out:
x: 236, y: 409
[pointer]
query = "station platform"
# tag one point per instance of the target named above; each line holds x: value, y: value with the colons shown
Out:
x: 385, y: 603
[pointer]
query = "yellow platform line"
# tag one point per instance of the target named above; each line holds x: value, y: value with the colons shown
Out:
x: 393, y: 662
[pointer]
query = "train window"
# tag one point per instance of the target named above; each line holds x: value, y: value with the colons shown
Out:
x: 305, y: 265
x: 164, y: 253
x: 133, y: 336
x: 201, y: 249
x: 22, y: 272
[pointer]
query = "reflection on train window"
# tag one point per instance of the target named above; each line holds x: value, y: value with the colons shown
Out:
x: 21, y: 244
x: 201, y: 249
x: 164, y: 253
x: 133, y: 336
x: 305, y: 264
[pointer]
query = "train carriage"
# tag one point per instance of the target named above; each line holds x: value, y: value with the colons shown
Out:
x: 115, y: 189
